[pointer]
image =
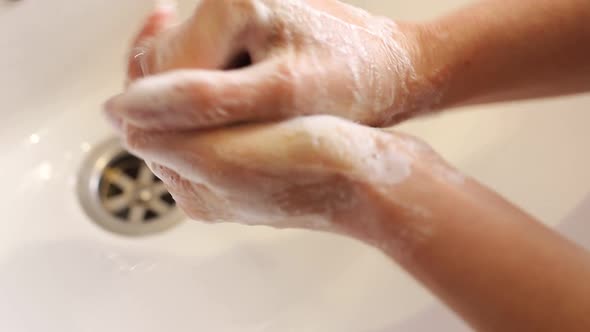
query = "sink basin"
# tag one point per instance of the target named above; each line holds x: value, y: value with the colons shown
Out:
x: 59, y: 271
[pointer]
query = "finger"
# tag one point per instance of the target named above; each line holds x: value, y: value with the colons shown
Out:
x: 243, y: 153
x: 242, y: 157
x: 195, y: 199
x: 217, y: 34
x: 196, y: 99
x: 116, y: 122
x: 160, y: 20
x: 114, y: 119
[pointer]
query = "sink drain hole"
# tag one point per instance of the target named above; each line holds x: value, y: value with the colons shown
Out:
x: 120, y: 193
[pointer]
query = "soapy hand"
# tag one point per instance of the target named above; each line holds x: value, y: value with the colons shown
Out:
x: 289, y: 58
x: 316, y: 172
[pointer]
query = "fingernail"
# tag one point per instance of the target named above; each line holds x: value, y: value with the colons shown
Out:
x: 140, y: 56
x: 116, y: 122
x: 109, y: 105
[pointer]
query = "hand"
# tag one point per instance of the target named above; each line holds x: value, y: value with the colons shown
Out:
x: 301, y: 57
x: 316, y: 172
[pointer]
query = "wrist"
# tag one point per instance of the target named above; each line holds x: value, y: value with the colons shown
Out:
x: 400, y: 217
x: 461, y: 56
x: 438, y: 58
x: 433, y: 66
x: 390, y: 221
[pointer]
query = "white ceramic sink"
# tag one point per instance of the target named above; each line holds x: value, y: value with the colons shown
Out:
x: 60, y: 272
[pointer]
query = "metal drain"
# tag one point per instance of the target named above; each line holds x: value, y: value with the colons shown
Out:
x: 119, y: 192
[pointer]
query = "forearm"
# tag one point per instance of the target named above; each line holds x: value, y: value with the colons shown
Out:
x: 494, y: 265
x: 499, y: 50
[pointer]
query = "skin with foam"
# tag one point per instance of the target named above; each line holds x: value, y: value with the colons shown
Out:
x: 448, y: 231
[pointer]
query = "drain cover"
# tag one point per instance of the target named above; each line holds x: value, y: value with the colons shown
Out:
x: 119, y: 192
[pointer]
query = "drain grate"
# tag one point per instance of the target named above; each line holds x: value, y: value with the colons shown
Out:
x: 130, y: 191
x: 120, y: 193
